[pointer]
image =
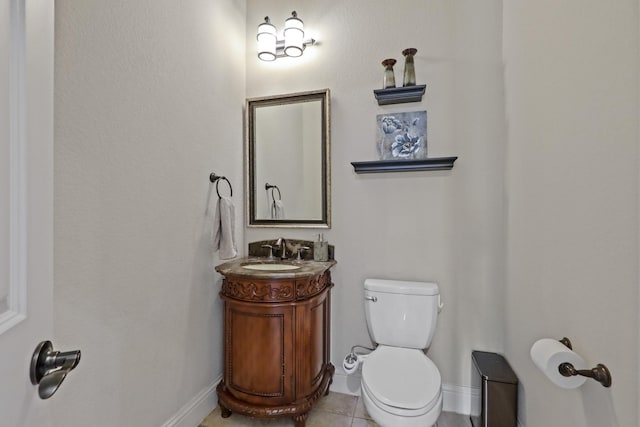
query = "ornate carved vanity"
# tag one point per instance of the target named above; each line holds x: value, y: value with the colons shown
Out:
x: 276, y: 337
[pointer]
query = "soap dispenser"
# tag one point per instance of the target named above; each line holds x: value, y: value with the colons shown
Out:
x: 321, y: 249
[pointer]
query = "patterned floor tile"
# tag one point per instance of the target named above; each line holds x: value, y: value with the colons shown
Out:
x: 337, y: 403
x: 361, y: 411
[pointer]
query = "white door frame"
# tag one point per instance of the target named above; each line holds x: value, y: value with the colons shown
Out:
x: 26, y: 91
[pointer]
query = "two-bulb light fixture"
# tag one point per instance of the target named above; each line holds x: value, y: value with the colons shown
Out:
x: 270, y: 48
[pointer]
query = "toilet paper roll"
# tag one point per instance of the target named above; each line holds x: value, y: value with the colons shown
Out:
x: 350, y: 363
x: 548, y: 354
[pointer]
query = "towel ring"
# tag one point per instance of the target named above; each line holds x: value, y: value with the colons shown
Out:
x: 268, y: 186
x: 216, y: 178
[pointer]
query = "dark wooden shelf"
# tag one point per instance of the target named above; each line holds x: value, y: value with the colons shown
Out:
x: 399, y: 95
x: 377, y: 166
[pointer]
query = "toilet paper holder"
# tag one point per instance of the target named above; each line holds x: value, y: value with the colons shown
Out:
x: 600, y: 373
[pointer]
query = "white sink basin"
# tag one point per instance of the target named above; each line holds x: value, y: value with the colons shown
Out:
x: 271, y: 267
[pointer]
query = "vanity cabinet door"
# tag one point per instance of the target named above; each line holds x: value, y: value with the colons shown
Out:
x: 259, y: 352
x: 312, y: 325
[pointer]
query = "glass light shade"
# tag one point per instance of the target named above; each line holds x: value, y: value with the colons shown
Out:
x: 266, y: 41
x: 293, y: 35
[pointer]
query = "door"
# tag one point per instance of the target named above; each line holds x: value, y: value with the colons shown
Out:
x: 262, y: 332
x: 26, y: 203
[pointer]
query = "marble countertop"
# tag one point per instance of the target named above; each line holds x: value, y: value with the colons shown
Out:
x: 307, y: 268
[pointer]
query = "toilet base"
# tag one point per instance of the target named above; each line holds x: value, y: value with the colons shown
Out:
x: 386, y: 419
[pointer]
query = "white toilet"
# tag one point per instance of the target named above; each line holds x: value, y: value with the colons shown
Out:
x: 401, y: 386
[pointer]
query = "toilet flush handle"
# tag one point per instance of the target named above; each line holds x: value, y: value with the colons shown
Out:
x: 440, y: 304
x: 370, y: 298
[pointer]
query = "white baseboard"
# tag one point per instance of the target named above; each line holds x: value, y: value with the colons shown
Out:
x: 459, y: 399
x: 455, y: 398
x: 196, y: 409
x: 346, y: 384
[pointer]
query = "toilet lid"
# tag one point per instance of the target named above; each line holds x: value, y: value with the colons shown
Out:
x: 402, y: 378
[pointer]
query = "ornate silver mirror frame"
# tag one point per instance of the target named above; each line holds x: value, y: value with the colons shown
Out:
x: 287, y: 160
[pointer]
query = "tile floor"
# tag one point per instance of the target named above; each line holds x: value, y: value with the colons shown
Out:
x: 334, y: 410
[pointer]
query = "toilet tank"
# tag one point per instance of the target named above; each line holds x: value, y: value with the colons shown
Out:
x: 401, y: 313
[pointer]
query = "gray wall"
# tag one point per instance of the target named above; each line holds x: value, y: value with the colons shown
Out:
x: 148, y: 100
x: 572, y: 110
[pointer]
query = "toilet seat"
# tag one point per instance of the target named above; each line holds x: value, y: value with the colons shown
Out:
x: 402, y: 381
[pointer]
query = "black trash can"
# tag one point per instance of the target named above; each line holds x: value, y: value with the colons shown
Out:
x: 493, y: 379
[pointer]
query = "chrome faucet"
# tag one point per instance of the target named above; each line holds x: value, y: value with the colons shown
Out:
x: 282, y: 244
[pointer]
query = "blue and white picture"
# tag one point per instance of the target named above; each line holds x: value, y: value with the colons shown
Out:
x: 402, y: 136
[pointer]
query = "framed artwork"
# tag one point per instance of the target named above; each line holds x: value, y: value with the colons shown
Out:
x: 402, y: 136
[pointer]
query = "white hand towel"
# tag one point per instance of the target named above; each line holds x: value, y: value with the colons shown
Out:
x: 224, y: 229
x: 278, y: 207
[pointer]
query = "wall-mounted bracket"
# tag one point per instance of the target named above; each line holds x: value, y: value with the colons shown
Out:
x: 600, y: 373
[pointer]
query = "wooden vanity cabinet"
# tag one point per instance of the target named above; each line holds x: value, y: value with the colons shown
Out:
x: 276, y: 345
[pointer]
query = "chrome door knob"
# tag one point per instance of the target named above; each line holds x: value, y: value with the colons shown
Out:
x: 49, y: 368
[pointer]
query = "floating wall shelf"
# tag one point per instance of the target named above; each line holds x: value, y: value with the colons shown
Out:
x: 399, y: 95
x: 432, y: 164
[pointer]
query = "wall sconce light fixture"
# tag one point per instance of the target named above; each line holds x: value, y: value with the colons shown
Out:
x: 293, y: 44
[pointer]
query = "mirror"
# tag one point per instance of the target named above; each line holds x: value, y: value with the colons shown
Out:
x: 288, y: 160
